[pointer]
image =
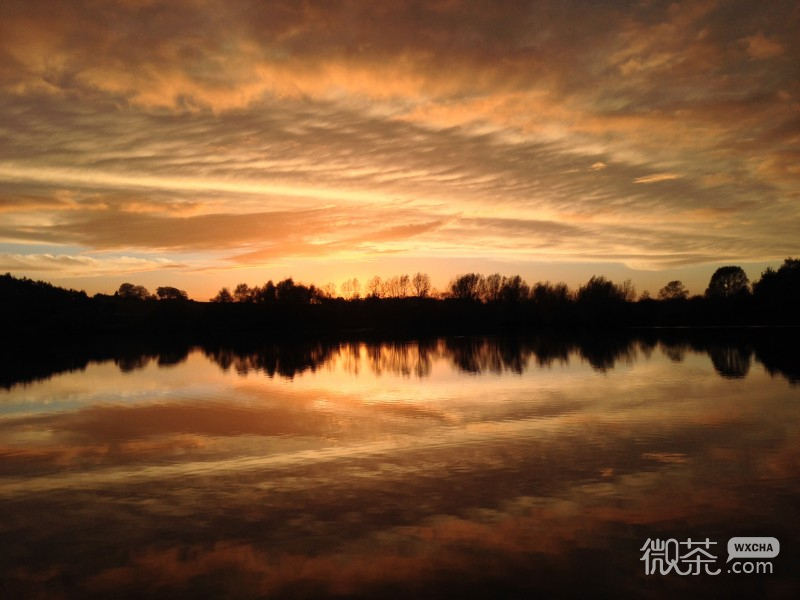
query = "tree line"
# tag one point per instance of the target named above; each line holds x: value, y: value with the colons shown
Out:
x: 404, y: 304
x: 287, y: 290
x: 728, y: 282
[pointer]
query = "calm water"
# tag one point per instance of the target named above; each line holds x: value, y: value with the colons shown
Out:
x: 458, y: 467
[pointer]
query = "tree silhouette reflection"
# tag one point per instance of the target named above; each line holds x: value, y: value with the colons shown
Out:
x: 731, y: 354
x: 731, y: 362
x: 285, y: 360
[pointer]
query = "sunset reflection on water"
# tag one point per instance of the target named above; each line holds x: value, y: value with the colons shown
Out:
x: 475, y: 467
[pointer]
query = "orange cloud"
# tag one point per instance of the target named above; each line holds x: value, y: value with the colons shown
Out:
x: 657, y: 177
x: 209, y: 112
x: 760, y: 46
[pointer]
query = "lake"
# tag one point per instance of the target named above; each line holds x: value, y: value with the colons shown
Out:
x: 459, y: 467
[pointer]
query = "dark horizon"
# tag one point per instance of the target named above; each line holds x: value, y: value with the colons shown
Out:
x: 403, y: 305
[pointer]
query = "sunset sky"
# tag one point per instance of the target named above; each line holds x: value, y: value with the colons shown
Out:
x: 203, y: 143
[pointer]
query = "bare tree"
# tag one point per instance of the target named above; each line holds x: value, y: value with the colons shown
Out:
x: 403, y: 283
x: 391, y: 287
x: 374, y: 287
x: 421, y: 284
x: 627, y: 291
x: 328, y: 290
x: 351, y: 289
x: 492, y: 288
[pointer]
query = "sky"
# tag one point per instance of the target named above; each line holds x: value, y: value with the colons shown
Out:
x: 200, y: 144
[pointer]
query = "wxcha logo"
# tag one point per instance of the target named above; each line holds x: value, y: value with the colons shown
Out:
x: 693, y: 558
x: 752, y: 547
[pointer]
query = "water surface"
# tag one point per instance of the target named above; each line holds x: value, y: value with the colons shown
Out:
x: 470, y: 467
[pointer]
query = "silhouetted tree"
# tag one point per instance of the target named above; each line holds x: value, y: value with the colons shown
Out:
x: 492, y: 288
x: 514, y: 290
x: 374, y: 287
x: 421, y: 284
x: 136, y: 292
x: 328, y: 290
x: 316, y: 295
x: 23, y: 289
x: 351, y: 289
x: 467, y: 287
x: 767, y: 285
x: 171, y: 293
x: 224, y: 296
x: 289, y: 292
x: 627, y: 291
x: 727, y: 282
x: 243, y: 293
x: 284, y: 291
x: 389, y: 288
x: 674, y: 290
x: 782, y: 286
x: 396, y: 287
x: 548, y: 294
x: 599, y: 290
x: 403, y: 283
x: 266, y: 294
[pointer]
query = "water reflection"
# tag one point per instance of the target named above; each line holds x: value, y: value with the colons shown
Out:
x: 731, y: 353
x: 731, y: 361
x: 468, y: 467
x: 285, y: 360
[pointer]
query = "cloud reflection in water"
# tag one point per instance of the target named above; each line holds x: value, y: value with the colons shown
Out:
x: 476, y: 467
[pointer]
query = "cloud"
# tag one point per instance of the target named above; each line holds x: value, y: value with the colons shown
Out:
x: 342, y: 241
x: 112, y: 229
x: 72, y: 264
x: 759, y: 46
x: 26, y: 201
x: 656, y: 178
x: 195, y: 126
